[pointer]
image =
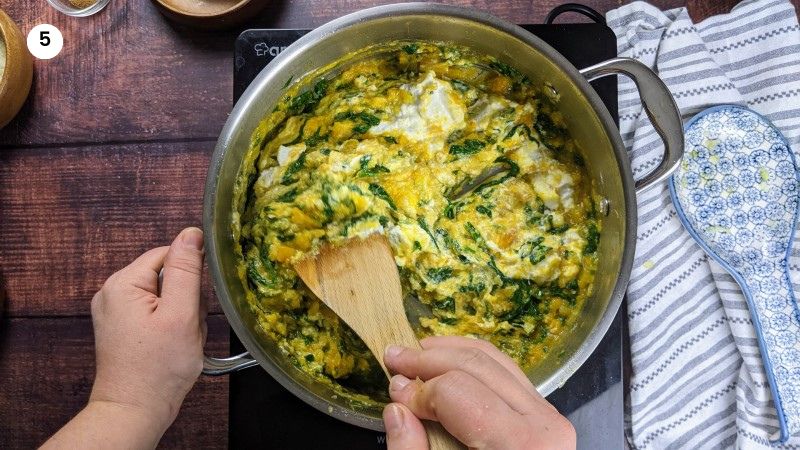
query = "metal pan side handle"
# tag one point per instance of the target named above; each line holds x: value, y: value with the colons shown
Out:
x: 659, y: 106
x: 224, y: 366
x: 219, y: 366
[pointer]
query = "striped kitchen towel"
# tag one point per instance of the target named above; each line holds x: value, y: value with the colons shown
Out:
x: 697, y: 379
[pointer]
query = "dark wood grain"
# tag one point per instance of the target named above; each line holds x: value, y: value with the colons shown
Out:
x: 128, y: 74
x: 73, y: 216
x: 47, y: 371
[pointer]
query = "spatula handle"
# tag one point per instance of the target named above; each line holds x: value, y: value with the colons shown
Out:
x: 440, y: 439
x: 359, y: 281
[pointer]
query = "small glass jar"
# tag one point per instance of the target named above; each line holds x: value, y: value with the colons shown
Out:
x: 74, y: 8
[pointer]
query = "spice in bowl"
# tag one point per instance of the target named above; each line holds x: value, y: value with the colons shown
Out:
x: 79, y: 8
x: 82, y: 3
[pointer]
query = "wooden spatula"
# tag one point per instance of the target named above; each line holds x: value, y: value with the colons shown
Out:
x: 360, y: 283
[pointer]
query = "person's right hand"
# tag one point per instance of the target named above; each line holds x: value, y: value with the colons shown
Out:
x: 475, y: 391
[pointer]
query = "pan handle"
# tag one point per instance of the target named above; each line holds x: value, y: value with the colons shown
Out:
x: 224, y: 366
x: 659, y: 106
x: 218, y: 366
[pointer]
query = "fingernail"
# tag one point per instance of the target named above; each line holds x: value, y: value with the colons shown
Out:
x: 392, y: 351
x: 193, y: 237
x: 393, y: 419
x: 398, y: 382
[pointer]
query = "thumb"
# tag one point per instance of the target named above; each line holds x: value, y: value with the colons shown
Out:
x: 183, y: 267
x: 403, y: 430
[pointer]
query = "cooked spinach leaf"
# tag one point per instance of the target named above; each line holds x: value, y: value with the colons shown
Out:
x: 547, y: 129
x: 411, y: 48
x: 525, y: 300
x: 315, y: 139
x: 424, y: 225
x: 327, y: 208
x: 569, y: 292
x: 286, y: 236
x: 452, y: 209
x: 364, y: 120
x: 308, y: 100
x: 469, y: 147
x: 524, y: 128
x: 473, y: 232
x: 343, y: 86
x: 534, y: 250
x: 451, y: 243
x: 262, y: 273
x: 446, y: 304
x: 439, y: 274
x: 296, y: 166
x: 513, y: 170
x: 288, y: 196
x: 493, y: 265
x: 505, y: 69
x: 378, y: 191
x: 473, y: 287
x: 547, y: 221
x: 538, y: 254
x: 592, y: 239
x: 366, y: 171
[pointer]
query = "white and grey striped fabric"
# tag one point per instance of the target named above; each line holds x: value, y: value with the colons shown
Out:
x: 697, y: 379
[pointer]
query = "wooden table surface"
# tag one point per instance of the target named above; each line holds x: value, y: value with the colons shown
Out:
x: 108, y: 159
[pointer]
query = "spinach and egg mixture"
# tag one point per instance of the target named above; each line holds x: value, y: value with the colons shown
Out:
x: 382, y: 146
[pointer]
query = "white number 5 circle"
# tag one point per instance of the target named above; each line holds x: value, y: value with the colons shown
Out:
x: 45, y: 41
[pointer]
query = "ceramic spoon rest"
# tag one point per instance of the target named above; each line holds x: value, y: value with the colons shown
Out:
x: 736, y: 192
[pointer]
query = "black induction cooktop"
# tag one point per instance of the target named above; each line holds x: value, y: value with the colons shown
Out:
x: 265, y: 415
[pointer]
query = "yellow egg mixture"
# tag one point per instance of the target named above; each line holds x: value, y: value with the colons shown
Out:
x: 381, y: 147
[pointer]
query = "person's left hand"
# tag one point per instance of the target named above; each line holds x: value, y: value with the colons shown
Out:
x: 150, y: 344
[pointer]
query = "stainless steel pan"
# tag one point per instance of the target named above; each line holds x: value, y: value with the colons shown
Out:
x: 588, y: 121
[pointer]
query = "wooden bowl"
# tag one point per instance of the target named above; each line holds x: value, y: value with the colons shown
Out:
x: 210, y: 14
x: 15, y: 82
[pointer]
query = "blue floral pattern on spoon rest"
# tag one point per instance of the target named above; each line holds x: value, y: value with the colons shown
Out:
x: 736, y: 192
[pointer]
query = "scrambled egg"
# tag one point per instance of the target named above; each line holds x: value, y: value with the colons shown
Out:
x: 381, y: 148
